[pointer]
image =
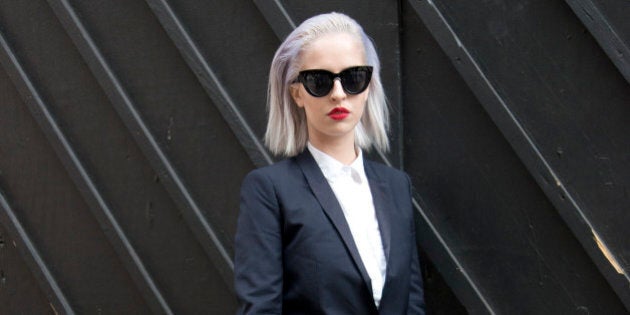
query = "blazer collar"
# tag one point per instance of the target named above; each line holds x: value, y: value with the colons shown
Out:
x: 326, y: 197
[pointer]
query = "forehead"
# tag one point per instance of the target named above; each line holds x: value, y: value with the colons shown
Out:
x: 333, y: 52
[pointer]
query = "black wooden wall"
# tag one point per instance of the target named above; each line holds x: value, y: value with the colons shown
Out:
x: 126, y: 127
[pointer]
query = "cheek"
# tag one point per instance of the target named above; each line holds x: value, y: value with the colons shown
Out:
x: 310, y: 108
x: 297, y: 94
x: 362, y: 103
x: 364, y: 96
x: 315, y: 104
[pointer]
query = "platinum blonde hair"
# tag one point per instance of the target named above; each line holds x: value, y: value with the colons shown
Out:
x: 287, y: 131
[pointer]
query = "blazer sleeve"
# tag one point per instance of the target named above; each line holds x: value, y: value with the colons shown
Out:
x: 416, y: 292
x: 258, y: 248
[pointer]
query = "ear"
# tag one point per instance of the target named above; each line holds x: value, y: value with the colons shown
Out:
x: 295, y: 91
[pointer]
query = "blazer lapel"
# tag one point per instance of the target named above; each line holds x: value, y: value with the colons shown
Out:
x: 381, y: 197
x: 326, y: 197
x: 384, y: 207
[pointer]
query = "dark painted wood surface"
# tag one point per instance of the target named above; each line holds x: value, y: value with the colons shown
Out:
x: 127, y: 126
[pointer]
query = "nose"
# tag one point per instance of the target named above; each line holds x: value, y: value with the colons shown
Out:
x: 337, y: 92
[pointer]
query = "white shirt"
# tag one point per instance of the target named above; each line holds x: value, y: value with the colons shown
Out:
x: 352, y: 190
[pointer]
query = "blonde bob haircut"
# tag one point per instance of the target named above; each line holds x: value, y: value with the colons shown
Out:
x: 287, y: 131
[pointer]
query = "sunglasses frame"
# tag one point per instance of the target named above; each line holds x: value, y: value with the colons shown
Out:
x: 304, y: 73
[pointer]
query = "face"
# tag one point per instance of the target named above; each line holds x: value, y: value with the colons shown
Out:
x: 333, y: 117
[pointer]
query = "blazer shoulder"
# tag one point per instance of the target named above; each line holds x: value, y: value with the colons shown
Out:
x: 387, y: 172
x: 276, y: 172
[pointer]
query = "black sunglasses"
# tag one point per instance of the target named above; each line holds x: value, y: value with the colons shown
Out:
x: 318, y: 83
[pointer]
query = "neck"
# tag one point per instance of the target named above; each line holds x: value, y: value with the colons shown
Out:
x: 342, y: 150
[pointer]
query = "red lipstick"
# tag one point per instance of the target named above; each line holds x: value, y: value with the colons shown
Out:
x: 338, y: 113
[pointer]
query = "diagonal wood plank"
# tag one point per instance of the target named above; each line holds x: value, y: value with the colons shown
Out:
x: 615, y: 46
x: 78, y: 173
x: 210, y: 82
x: 31, y: 255
x: 125, y: 107
x: 565, y: 201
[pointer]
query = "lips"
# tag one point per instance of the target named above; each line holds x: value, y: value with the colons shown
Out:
x: 338, y: 113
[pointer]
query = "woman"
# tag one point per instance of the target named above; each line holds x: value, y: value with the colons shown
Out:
x: 326, y: 231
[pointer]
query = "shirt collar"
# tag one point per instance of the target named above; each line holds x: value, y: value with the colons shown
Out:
x: 334, y: 170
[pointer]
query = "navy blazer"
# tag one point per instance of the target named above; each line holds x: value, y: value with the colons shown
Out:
x: 294, y: 252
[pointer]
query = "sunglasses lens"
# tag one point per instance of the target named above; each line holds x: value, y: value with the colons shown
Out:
x: 318, y: 83
x: 356, y: 80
